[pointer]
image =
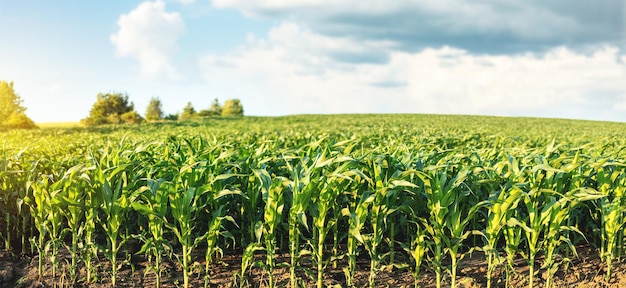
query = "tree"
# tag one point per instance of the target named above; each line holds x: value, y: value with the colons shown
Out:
x: 12, y: 113
x: 171, y: 117
x: 232, y: 107
x: 155, y: 110
x: 214, y: 110
x: 109, y: 109
x: 188, y: 112
x: 131, y: 117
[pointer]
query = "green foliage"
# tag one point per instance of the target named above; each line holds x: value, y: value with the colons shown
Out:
x: 171, y: 117
x: 188, y: 112
x: 112, y: 108
x: 215, y: 110
x: 232, y: 107
x: 131, y: 117
x: 154, y: 111
x: 12, y: 113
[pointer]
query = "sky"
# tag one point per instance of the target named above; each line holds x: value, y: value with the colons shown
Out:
x: 536, y: 58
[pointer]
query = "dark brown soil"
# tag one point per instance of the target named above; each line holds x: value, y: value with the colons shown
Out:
x: 585, y: 271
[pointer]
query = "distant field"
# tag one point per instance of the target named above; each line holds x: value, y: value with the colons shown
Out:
x: 59, y: 125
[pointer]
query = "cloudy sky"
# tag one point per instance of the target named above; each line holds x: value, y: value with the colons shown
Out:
x: 557, y: 58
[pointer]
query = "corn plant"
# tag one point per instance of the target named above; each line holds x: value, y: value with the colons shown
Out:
x: 39, y: 207
x: 25, y: 193
x: 302, y: 185
x: 251, y: 210
x: 215, y: 230
x: 184, y: 206
x: 356, y: 212
x: 331, y: 187
x: 611, y: 184
x: 272, y: 191
x: 75, y: 185
x: 448, y: 217
x: 417, y: 247
x: 387, y: 183
x: 501, y: 208
x: 214, y: 193
x: 10, y: 171
x: 153, y: 204
x: 92, y: 203
x: 55, y: 220
x: 115, y: 202
x: 547, y: 212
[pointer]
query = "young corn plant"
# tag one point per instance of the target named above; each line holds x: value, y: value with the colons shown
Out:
x: 214, y: 196
x: 25, y: 193
x: 7, y: 191
x: 89, y: 250
x: 12, y: 173
x: 152, y: 202
x: 449, y: 218
x: 356, y: 212
x: 302, y: 186
x: 184, y: 205
x: 331, y: 187
x: 387, y: 184
x: 611, y: 183
x: 417, y: 248
x: 39, y: 207
x: 115, y: 204
x: 215, y: 230
x: 501, y: 208
x: 557, y: 232
x: 75, y: 186
x: 547, y: 211
x: 46, y: 209
x: 56, y: 221
x: 272, y: 191
x: 251, y: 210
x: 547, y: 215
x: 511, y: 170
x: 512, y: 241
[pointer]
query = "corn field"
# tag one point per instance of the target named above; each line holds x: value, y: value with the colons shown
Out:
x: 414, y: 193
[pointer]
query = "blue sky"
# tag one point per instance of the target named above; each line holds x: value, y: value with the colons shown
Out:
x: 559, y: 58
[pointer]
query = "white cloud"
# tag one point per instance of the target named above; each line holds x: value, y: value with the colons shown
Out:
x: 292, y: 69
x: 149, y: 33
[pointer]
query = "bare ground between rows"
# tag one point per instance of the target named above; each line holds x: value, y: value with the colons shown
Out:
x: 585, y: 271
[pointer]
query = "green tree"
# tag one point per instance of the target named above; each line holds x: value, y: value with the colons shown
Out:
x: 232, y: 107
x: 12, y: 113
x: 188, y: 112
x: 109, y: 109
x: 171, y: 117
x: 155, y: 110
x: 131, y: 117
x: 214, y: 110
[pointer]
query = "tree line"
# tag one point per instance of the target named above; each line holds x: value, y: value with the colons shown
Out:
x: 115, y: 108
x: 109, y: 108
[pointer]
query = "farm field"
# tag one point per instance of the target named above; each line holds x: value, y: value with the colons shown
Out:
x: 316, y: 201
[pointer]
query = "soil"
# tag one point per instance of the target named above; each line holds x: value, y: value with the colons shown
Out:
x: 585, y: 271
